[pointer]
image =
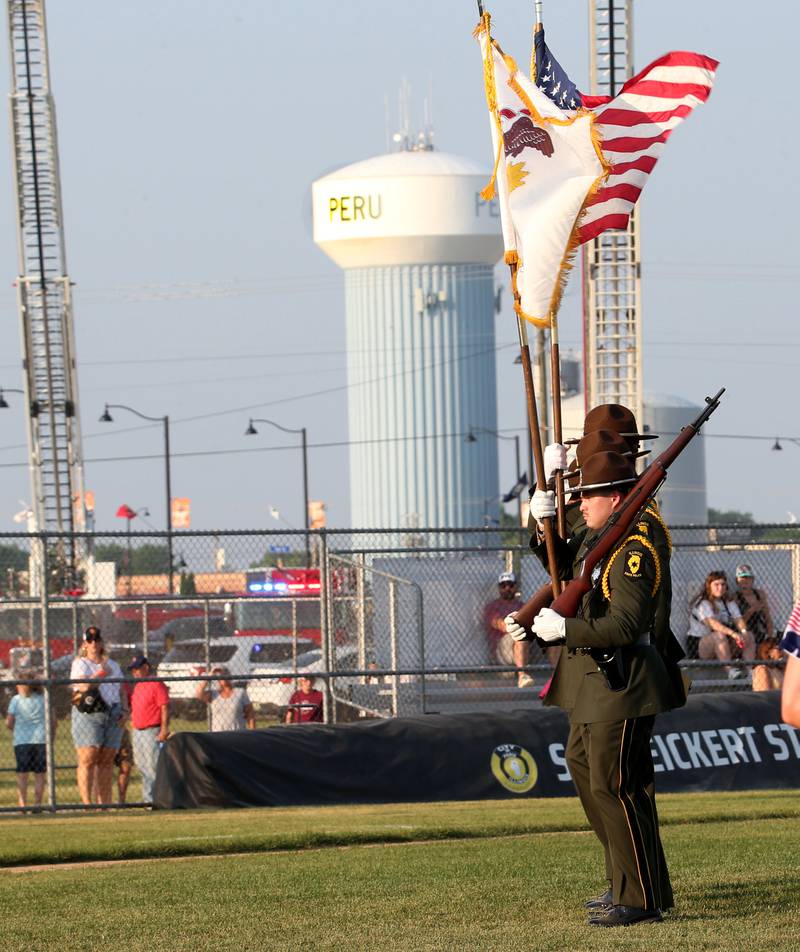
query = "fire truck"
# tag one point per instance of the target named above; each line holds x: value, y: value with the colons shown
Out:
x: 278, y: 601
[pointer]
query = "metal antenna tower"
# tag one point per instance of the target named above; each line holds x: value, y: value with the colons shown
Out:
x: 43, y: 290
x: 612, y: 264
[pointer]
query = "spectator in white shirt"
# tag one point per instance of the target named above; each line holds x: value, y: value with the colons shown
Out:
x: 716, y: 627
x: 98, y: 716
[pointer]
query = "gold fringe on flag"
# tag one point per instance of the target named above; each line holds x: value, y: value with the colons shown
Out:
x: 488, y: 193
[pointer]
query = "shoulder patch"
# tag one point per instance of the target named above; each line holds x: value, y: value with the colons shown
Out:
x: 642, y: 527
x: 633, y: 564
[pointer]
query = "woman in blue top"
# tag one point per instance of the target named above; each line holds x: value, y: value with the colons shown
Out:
x: 26, y: 719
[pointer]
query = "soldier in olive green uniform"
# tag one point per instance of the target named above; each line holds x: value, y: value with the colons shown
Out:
x: 608, y: 751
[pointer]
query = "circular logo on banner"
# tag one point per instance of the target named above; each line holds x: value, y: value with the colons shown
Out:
x: 514, y: 767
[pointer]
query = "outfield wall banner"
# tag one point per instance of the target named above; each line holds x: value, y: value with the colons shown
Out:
x: 716, y: 742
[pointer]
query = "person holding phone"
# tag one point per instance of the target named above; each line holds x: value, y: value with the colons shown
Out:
x: 98, y: 716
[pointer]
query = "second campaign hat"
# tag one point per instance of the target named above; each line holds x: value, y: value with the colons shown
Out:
x: 615, y: 417
x: 604, y: 440
x: 606, y: 470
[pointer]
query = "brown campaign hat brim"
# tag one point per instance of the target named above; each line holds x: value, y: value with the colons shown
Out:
x: 610, y: 485
x: 573, y: 441
x: 606, y: 470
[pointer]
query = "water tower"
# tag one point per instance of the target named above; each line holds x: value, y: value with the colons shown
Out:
x: 418, y: 247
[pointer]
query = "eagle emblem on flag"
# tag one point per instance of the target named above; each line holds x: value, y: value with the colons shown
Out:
x: 524, y: 134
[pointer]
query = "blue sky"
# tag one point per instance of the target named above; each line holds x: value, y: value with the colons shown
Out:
x: 190, y: 133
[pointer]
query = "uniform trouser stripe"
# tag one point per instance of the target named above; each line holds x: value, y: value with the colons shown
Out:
x: 612, y: 769
x: 631, y: 815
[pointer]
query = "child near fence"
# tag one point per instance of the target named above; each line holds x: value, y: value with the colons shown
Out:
x: 25, y: 718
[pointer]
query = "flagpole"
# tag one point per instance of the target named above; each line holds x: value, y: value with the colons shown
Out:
x: 555, y: 385
x: 536, y: 439
x: 555, y: 361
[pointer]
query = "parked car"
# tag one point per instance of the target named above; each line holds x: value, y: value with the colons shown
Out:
x: 238, y: 653
x: 187, y: 629
x: 272, y: 693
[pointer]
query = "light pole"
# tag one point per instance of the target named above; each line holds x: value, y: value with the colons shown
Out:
x: 251, y: 431
x: 471, y: 438
x: 107, y: 418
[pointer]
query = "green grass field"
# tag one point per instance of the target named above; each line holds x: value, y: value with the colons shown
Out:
x: 507, y: 875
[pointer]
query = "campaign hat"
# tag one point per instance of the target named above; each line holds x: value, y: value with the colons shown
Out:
x: 615, y: 417
x: 599, y: 441
x: 606, y: 470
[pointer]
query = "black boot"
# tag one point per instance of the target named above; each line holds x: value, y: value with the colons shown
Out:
x: 625, y: 916
x: 600, y: 903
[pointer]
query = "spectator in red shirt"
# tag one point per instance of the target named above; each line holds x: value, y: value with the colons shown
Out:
x: 502, y: 647
x: 305, y: 704
x: 150, y: 722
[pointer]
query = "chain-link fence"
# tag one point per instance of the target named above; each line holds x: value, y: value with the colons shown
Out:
x: 266, y: 629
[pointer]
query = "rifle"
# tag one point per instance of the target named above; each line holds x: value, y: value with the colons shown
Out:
x: 619, y: 525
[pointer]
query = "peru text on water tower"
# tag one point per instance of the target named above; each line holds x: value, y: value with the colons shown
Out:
x: 406, y: 208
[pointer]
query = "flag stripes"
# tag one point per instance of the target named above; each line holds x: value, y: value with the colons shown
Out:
x: 635, y: 124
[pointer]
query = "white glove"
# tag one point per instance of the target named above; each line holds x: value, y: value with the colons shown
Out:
x: 555, y: 457
x: 543, y: 505
x: 550, y: 626
x: 514, y: 629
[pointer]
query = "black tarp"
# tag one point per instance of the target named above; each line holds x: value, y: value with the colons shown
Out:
x: 717, y: 742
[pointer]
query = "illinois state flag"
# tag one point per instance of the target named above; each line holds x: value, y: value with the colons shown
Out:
x: 548, y: 165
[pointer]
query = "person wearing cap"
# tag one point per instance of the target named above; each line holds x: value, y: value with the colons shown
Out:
x: 503, y: 649
x: 98, y: 716
x: 753, y: 604
x: 306, y: 703
x: 608, y: 749
x: 150, y: 722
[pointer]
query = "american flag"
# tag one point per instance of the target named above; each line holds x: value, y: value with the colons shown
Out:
x: 634, y: 125
x: 791, y: 637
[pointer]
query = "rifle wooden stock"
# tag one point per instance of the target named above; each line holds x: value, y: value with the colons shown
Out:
x: 539, y: 600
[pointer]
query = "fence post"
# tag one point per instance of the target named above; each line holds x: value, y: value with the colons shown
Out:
x: 329, y: 713
x: 393, y: 640
x: 207, y: 648
x: 294, y: 636
x: 49, y: 724
x: 145, y: 626
x: 421, y: 630
x: 361, y: 614
x: 76, y: 626
x: 795, y: 574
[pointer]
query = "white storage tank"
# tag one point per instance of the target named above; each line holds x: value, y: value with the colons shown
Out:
x: 683, y: 499
x: 418, y: 246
